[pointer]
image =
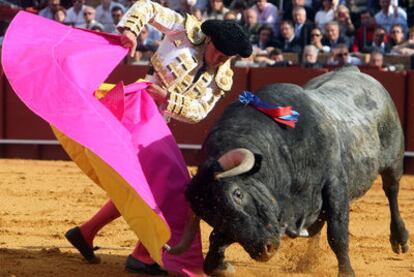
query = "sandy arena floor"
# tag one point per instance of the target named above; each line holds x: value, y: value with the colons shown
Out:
x: 40, y: 200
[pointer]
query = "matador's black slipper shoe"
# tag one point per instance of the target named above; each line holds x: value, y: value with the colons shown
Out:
x: 75, y: 237
x: 135, y: 266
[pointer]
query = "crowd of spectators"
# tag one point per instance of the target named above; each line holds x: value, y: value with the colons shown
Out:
x: 359, y: 32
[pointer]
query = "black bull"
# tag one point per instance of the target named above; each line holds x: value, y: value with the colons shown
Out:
x: 263, y: 180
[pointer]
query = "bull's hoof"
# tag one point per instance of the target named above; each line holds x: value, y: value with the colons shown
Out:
x: 399, y: 240
x: 224, y: 270
x: 346, y: 274
x: 399, y: 248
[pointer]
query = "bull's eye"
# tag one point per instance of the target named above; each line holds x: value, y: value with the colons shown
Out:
x: 238, y: 196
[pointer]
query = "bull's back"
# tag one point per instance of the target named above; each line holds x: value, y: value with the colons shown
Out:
x: 366, y: 121
x: 350, y: 96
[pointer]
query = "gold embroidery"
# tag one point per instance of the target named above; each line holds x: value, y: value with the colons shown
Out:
x: 161, y: 71
x: 171, y: 102
x: 224, y: 76
x: 187, y: 61
x: 199, y: 88
x: 193, y: 30
x: 188, y: 79
x: 179, y: 104
x: 178, y: 42
x: 176, y: 69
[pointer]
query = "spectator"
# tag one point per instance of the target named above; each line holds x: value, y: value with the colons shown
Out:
x: 316, y: 40
x: 90, y: 21
x: 406, y: 48
x: 396, y: 36
x: 303, y: 27
x: 265, y: 38
x: 390, y: 15
x: 376, y: 59
x: 251, y: 26
x: 186, y: 5
x: 201, y: 5
x: 238, y: 6
x: 365, y: 33
x: 230, y: 15
x: 410, y: 15
x: 176, y: 5
x: 197, y: 13
x: 356, y: 7
x: 145, y: 48
x: 98, y: 28
x: 287, y: 41
x: 332, y: 36
x: 343, y: 18
x: 50, y: 10
x: 292, y: 4
x: 325, y: 15
x: 267, y: 13
x: 341, y: 57
x: 278, y: 59
x: 117, y: 12
x: 60, y: 15
x: 128, y: 4
x: 274, y: 59
x: 310, y: 57
x: 216, y: 10
x: 75, y: 13
x: 379, y: 42
x: 104, y: 16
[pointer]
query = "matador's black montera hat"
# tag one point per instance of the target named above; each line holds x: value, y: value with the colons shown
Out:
x: 228, y: 37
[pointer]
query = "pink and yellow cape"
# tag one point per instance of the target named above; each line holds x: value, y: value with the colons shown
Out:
x: 120, y: 141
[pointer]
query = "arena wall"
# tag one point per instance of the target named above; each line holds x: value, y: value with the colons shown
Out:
x: 25, y: 135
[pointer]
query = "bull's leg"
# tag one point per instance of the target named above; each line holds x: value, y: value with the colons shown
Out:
x: 399, y: 234
x: 337, y: 204
x: 214, y: 263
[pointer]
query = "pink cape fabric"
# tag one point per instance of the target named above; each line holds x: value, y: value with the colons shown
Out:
x: 55, y: 70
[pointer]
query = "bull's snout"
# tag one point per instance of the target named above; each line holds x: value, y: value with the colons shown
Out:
x: 269, y: 250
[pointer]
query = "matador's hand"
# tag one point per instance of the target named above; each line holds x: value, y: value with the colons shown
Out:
x: 129, y: 40
x: 158, y: 93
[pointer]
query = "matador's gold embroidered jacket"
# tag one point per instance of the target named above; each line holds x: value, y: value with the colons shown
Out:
x: 179, y: 59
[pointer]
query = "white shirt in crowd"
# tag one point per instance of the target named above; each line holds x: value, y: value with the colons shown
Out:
x: 105, y: 16
x: 75, y: 19
x: 322, y: 17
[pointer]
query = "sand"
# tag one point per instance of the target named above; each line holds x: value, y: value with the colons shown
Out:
x: 40, y: 200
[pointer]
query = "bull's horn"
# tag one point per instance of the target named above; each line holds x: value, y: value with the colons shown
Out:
x: 187, y: 238
x: 236, y: 162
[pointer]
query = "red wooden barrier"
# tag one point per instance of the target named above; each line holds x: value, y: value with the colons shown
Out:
x: 2, y: 108
x: 127, y: 73
x: 409, y: 115
x: 409, y: 138
x: 260, y: 77
x: 20, y: 122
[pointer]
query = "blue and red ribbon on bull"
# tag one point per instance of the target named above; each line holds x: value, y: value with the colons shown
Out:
x: 283, y: 115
